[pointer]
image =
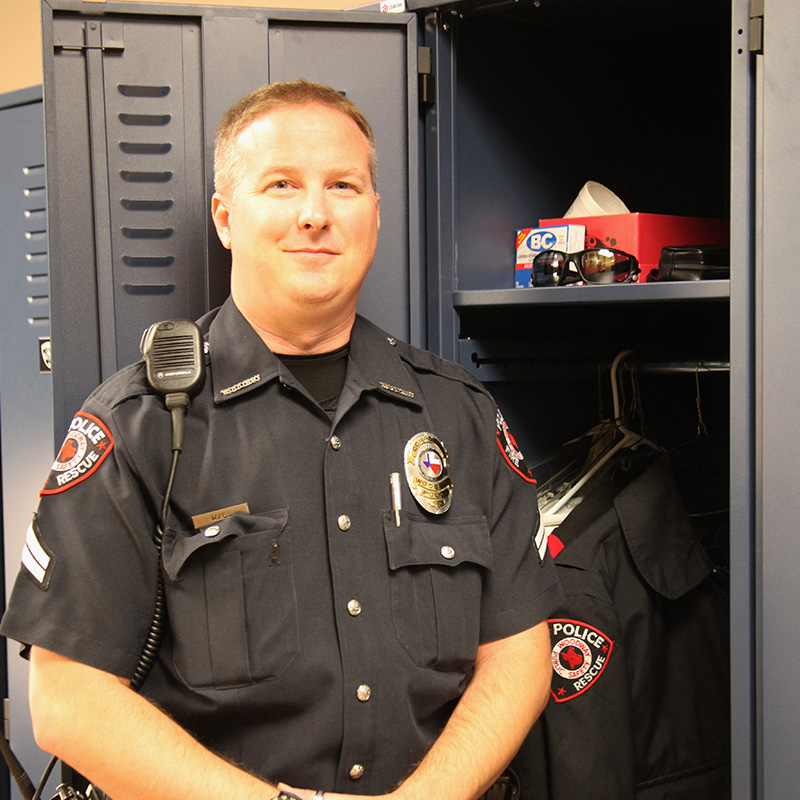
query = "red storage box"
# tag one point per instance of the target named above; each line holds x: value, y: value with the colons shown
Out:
x: 643, y: 235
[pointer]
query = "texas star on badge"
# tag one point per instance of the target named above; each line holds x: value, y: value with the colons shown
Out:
x: 427, y: 472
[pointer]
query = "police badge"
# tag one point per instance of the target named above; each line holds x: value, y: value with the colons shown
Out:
x: 427, y: 472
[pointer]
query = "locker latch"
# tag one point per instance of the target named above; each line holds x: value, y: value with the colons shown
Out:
x: 427, y: 82
x: 756, y: 26
x: 92, y: 35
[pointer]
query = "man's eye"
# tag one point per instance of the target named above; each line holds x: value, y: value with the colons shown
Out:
x: 343, y: 186
x: 279, y: 185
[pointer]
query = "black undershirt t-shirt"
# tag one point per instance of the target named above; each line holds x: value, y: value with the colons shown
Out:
x: 322, y: 374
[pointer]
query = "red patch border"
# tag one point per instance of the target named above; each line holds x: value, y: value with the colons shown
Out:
x: 99, y: 461
x: 596, y: 677
x: 502, y: 427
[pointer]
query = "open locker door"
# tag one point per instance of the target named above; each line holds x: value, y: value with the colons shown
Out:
x: 133, y: 95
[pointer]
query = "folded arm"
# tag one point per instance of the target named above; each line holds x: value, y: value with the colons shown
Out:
x: 120, y: 741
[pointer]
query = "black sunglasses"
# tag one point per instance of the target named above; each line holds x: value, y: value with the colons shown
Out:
x: 598, y: 265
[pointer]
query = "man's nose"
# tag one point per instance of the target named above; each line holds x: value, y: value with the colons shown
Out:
x: 314, y: 211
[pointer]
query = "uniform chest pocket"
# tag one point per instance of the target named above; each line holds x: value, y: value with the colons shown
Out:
x: 231, y: 600
x: 436, y: 579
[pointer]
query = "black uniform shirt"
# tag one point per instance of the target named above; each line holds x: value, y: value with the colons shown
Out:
x: 640, y: 694
x: 310, y: 638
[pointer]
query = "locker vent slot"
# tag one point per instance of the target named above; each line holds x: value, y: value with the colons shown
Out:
x: 150, y: 120
x: 146, y: 205
x: 130, y: 90
x: 148, y: 261
x: 145, y: 148
x: 37, y: 278
x: 145, y: 177
x: 148, y: 288
x: 147, y: 233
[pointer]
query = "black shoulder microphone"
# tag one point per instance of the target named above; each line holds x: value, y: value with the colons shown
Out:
x: 175, y: 362
x: 173, y: 353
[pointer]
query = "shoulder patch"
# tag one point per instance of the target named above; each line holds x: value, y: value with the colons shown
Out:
x: 85, y: 447
x: 510, y: 450
x: 579, y: 654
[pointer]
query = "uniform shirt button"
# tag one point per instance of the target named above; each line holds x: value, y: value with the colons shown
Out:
x: 354, y: 608
x: 336, y: 442
x: 363, y: 693
x: 447, y: 551
x: 344, y: 522
x: 211, y: 531
x: 356, y: 771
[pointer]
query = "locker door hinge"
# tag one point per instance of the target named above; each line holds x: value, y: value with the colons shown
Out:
x: 92, y: 35
x: 756, y: 35
x: 427, y: 81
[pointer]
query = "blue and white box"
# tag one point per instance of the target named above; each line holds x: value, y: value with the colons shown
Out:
x: 532, y: 241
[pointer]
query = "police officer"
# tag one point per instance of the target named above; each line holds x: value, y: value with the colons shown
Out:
x: 355, y: 600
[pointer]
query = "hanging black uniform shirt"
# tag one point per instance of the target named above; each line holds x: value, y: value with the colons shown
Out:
x: 310, y: 638
x: 640, y: 701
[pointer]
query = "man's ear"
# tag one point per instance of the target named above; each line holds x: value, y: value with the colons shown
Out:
x: 221, y: 217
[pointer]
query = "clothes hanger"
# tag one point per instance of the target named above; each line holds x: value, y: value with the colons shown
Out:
x: 702, y: 430
x: 550, y: 516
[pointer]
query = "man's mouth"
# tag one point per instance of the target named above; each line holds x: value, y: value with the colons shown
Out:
x: 313, y: 251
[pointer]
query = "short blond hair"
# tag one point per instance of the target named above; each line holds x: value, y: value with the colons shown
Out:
x: 228, y: 165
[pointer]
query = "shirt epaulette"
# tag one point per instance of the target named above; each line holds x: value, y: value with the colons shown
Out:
x: 425, y: 361
x: 128, y: 382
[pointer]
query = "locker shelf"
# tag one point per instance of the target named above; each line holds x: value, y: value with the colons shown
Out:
x: 589, y: 295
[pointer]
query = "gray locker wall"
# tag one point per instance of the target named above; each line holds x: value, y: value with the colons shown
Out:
x: 778, y: 441
x: 26, y: 438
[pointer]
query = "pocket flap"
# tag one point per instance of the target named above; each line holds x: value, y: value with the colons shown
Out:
x: 179, y: 546
x: 443, y: 543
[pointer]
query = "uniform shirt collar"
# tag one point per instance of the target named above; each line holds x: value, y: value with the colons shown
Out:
x: 242, y: 363
x: 651, y: 515
x: 376, y: 365
x: 240, y: 360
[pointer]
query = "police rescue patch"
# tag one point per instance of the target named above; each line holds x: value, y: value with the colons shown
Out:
x: 510, y: 450
x: 85, y: 447
x: 580, y: 654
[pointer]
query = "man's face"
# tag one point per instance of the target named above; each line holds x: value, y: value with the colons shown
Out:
x: 302, y: 223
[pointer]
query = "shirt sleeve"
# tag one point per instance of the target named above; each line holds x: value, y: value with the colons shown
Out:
x: 522, y: 587
x: 583, y: 744
x: 87, y: 585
